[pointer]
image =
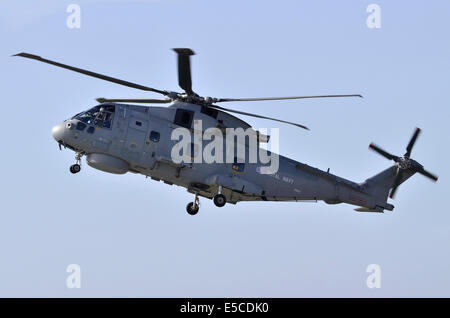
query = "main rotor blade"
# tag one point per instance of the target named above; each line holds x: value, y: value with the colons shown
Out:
x: 184, y: 69
x: 221, y: 100
x: 89, y: 73
x: 412, y: 142
x: 428, y: 174
x: 128, y: 100
x: 257, y: 116
x: 382, y: 152
x: 397, y: 180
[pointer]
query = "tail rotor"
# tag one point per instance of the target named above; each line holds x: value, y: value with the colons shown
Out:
x: 404, y: 163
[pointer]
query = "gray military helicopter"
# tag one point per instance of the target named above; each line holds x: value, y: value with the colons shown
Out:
x: 118, y: 137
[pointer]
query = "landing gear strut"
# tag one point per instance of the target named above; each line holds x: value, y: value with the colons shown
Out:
x: 77, y: 166
x: 193, y: 207
x: 219, y: 199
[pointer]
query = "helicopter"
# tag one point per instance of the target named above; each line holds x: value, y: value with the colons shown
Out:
x: 117, y: 136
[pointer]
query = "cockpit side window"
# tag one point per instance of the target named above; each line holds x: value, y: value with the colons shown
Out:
x: 100, y: 116
x: 89, y: 115
x: 109, y: 108
x: 107, y: 120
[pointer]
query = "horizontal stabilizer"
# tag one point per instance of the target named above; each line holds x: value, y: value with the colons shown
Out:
x: 377, y: 210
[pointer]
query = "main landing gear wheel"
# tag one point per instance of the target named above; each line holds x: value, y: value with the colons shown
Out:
x: 220, y: 200
x: 192, y: 208
x: 75, y: 168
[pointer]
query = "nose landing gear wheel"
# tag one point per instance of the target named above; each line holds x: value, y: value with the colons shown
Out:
x: 220, y: 200
x: 192, y: 208
x: 75, y: 168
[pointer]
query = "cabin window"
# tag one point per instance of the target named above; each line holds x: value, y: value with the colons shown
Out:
x: 237, y: 167
x: 183, y: 118
x: 138, y: 123
x: 154, y: 136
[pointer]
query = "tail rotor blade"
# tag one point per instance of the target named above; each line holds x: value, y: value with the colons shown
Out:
x: 184, y: 69
x: 412, y: 142
x: 392, y: 194
x: 397, y: 180
x: 382, y: 152
x: 428, y: 174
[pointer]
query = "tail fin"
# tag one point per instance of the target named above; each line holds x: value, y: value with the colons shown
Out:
x: 380, y: 184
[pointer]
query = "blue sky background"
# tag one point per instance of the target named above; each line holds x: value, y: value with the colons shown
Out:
x: 132, y: 237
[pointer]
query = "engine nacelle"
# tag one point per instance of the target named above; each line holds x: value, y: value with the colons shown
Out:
x: 107, y: 163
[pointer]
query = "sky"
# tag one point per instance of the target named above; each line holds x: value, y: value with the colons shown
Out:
x: 132, y: 237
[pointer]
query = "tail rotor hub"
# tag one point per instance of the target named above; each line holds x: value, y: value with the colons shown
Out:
x: 404, y: 163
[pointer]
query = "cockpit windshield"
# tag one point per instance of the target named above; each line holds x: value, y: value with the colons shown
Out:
x: 99, y: 116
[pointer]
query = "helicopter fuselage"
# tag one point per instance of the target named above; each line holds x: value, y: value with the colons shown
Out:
x: 138, y: 139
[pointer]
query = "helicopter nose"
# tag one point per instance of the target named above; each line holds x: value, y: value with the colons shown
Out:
x: 58, y: 132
